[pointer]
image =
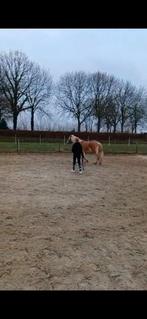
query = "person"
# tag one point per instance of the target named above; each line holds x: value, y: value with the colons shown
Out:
x: 77, y: 154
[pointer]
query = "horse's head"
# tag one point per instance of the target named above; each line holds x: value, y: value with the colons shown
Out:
x: 71, y: 138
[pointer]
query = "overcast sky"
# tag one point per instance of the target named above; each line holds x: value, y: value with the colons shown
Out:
x: 121, y: 52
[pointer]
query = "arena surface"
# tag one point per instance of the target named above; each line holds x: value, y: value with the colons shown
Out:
x: 65, y: 231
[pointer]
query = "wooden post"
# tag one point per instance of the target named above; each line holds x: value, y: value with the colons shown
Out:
x: 18, y: 146
x: 40, y: 139
x: 136, y: 147
x: 109, y: 139
x: 129, y: 141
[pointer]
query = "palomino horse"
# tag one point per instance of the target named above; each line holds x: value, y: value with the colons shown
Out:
x: 89, y: 146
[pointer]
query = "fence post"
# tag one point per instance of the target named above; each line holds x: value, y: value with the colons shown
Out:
x: 136, y: 147
x: 18, y: 145
x: 109, y: 140
x: 15, y: 139
x: 40, y: 139
x: 129, y: 140
x: 64, y: 139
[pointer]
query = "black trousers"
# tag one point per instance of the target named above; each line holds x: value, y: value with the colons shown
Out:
x: 78, y: 158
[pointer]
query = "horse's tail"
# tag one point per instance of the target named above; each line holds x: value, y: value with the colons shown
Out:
x: 101, y: 153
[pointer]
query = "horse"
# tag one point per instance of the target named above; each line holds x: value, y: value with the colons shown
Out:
x: 89, y: 146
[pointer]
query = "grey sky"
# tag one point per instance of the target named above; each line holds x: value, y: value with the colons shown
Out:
x: 121, y: 52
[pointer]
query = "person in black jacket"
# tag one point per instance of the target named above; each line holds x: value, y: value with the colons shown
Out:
x: 77, y: 154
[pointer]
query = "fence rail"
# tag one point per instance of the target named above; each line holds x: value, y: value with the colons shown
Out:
x: 23, y: 145
x: 103, y: 136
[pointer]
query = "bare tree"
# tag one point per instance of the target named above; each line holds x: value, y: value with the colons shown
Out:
x: 112, y: 109
x: 72, y: 94
x: 125, y: 100
x: 15, y: 79
x: 112, y: 116
x: 125, y: 106
x: 101, y: 87
x: 144, y: 120
x: 137, y: 110
x: 39, y: 92
x: 89, y: 123
x: 4, y: 107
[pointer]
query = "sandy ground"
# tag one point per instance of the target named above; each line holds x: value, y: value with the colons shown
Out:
x: 65, y: 231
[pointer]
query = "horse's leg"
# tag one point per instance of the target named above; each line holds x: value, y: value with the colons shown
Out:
x: 97, y: 156
x: 85, y: 157
x: 101, y: 157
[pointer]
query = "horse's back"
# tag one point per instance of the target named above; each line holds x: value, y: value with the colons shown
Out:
x: 91, y: 146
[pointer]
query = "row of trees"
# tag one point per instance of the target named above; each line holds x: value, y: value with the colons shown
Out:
x: 112, y: 103
x: 95, y: 98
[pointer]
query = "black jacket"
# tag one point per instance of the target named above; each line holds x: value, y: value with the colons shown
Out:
x: 77, y: 149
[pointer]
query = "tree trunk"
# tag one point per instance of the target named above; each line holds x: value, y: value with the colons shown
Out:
x: 135, y: 119
x: 108, y: 127
x: 91, y: 128
x: 79, y: 125
x: 32, y: 119
x: 135, y: 126
x: 15, y: 115
x: 122, y: 127
x: 98, y: 125
x: 122, y: 120
x: 114, y: 128
x: 86, y: 126
x: 132, y: 129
